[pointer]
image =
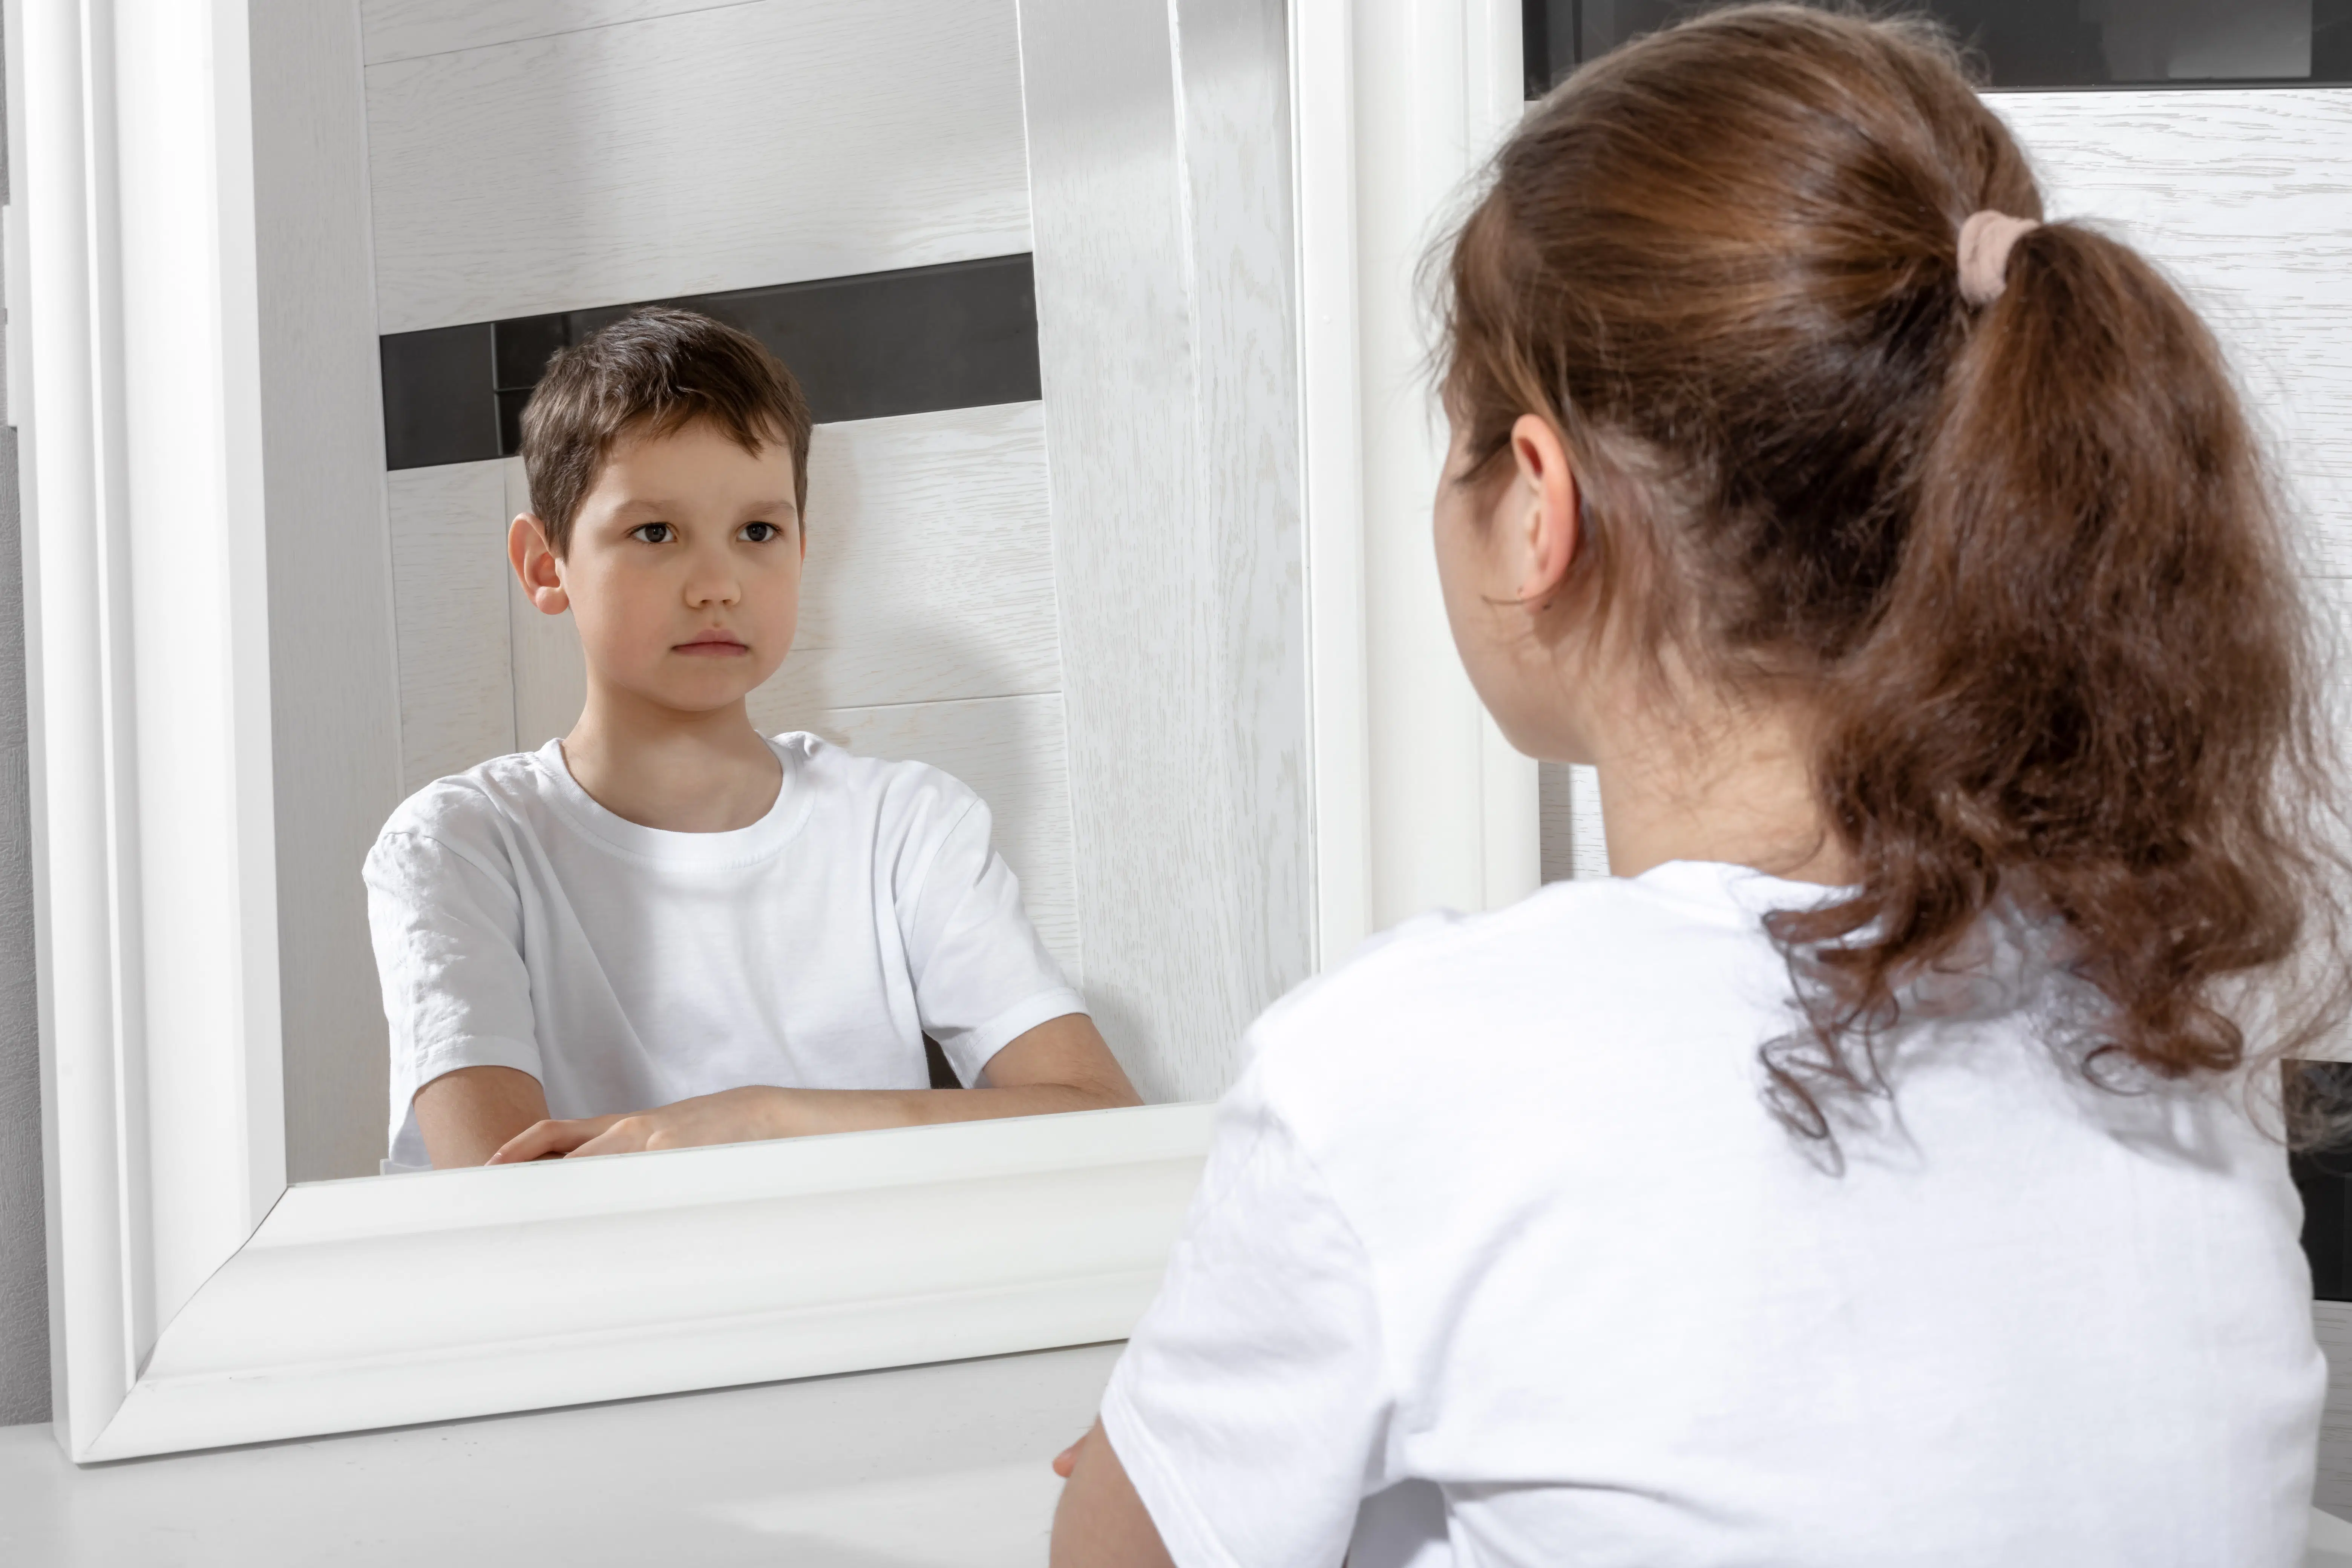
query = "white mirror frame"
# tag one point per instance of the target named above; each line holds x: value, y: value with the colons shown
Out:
x: 197, y: 1300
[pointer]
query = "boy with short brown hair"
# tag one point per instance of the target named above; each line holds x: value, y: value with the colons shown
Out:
x: 665, y: 929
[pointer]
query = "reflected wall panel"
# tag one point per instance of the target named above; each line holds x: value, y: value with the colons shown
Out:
x: 720, y: 148
x: 404, y: 29
x: 1160, y: 177
x: 334, y: 714
x: 449, y: 576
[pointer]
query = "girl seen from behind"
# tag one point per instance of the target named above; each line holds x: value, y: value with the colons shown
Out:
x: 1880, y: 1168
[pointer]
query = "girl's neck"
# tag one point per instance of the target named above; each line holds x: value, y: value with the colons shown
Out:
x: 1732, y: 784
x: 659, y: 767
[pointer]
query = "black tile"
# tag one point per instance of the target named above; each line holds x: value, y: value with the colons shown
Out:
x: 911, y: 342
x: 958, y: 336
x: 2025, y: 43
x: 524, y: 346
x: 2324, y: 1178
x: 437, y: 401
x: 510, y: 406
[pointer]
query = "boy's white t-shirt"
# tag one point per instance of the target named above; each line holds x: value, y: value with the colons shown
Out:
x: 1497, y: 1233
x: 518, y: 923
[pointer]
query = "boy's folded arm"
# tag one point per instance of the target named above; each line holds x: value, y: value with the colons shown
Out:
x: 1060, y: 1065
x: 468, y: 1114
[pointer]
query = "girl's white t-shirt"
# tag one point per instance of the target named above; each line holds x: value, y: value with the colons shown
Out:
x: 1501, y: 1259
x: 518, y: 923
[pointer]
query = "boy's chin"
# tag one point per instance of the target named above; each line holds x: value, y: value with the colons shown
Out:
x: 696, y: 696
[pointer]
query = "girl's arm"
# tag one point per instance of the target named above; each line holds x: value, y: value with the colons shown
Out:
x: 1060, y: 1065
x: 1101, y: 1521
x: 467, y: 1115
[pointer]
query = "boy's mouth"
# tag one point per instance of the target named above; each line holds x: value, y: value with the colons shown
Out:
x: 713, y: 645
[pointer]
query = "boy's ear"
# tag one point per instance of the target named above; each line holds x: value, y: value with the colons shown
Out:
x: 536, y: 565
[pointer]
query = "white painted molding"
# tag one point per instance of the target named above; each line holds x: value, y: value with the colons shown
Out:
x: 1421, y: 802
x: 381, y: 1302
x: 147, y: 665
x: 1331, y: 467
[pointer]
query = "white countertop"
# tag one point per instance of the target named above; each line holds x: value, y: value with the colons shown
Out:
x: 926, y: 1466
x: 947, y: 1466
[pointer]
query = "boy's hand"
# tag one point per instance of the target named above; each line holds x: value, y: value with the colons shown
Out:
x: 731, y: 1116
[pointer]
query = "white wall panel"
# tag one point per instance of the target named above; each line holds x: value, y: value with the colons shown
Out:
x: 2331, y: 1323
x: 1166, y: 342
x: 404, y: 29
x: 449, y: 575
x: 1569, y: 805
x: 2246, y: 197
x: 332, y: 676
x: 930, y: 563
x: 710, y: 149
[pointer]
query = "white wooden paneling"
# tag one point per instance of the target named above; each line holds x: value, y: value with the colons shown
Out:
x: 2245, y: 195
x: 332, y: 671
x: 930, y: 563
x: 2331, y: 1323
x: 1166, y: 343
x: 1570, y: 805
x: 1013, y: 752
x: 404, y: 30
x: 708, y: 150
x: 449, y: 584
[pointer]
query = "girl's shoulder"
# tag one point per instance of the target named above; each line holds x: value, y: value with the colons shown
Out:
x: 1571, y: 949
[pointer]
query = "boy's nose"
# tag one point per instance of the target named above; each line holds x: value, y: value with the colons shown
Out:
x: 712, y: 588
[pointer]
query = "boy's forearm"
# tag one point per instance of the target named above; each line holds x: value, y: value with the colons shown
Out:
x: 799, y: 1112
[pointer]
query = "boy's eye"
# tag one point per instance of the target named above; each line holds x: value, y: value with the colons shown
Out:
x: 654, y: 532
x: 760, y: 532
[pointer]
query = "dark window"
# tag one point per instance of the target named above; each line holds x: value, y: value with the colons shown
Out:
x: 2036, y: 43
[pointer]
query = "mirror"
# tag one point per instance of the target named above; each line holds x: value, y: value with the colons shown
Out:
x: 1052, y: 522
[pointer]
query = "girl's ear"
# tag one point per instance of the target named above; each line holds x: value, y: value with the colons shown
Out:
x: 1540, y: 507
x: 536, y: 565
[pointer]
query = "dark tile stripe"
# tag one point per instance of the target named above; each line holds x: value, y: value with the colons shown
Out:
x: 911, y: 342
x: 2023, y: 43
x: 2324, y: 1178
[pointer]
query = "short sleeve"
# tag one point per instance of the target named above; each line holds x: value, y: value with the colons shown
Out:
x: 448, y: 935
x: 1251, y: 1408
x: 982, y: 976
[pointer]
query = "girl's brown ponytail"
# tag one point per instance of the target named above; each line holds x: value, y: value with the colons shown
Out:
x: 2022, y: 556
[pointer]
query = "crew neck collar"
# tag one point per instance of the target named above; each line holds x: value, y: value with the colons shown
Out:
x: 661, y: 845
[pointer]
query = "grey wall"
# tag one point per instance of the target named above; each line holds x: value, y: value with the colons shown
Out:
x: 24, y: 1263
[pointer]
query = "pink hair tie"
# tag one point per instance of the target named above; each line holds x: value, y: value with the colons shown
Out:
x: 1985, y: 242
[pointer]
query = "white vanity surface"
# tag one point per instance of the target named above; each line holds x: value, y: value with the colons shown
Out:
x: 927, y: 1466
x: 930, y: 1467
